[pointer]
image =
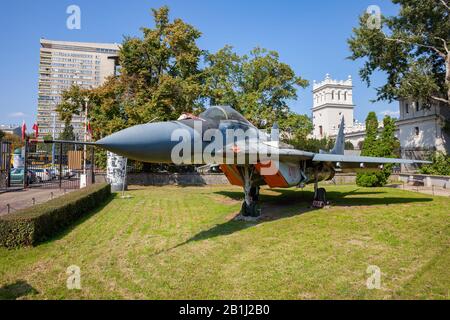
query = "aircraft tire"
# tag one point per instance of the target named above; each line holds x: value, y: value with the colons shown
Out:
x: 252, y: 210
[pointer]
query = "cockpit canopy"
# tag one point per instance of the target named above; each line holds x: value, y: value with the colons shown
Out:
x: 220, y: 113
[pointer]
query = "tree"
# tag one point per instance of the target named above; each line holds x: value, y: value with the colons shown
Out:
x: 258, y: 85
x: 295, y: 126
x: 312, y: 145
x: 73, y: 101
x: 414, y: 51
x: 46, y: 147
x: 160, y: 74
x: 384, y: 145
x: 370, y: 146
x: 16, y: 141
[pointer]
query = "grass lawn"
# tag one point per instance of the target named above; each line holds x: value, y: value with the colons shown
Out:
x: 182, y: 243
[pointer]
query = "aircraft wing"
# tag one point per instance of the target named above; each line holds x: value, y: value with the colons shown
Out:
x: 319, y: 157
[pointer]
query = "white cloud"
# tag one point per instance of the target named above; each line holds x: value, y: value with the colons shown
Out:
x: 17, y: 115
x: 394, y: 114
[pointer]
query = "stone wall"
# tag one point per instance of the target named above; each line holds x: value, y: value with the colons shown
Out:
x: 425, y: 180
x: 160, y: 179
x: 197, y: 179
x: 350, y: 178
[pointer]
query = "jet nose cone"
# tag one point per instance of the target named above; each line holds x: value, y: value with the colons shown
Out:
x: 148, y: 142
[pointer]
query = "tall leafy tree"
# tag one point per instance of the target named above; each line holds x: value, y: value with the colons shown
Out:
x: 73, y: 101
x: 412, y: 48
x: 378, y: 145
x: 258, y: 85
x: 370, y: 145
x: 160, y: 72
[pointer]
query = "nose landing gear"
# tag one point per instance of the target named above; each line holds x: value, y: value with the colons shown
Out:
x: 250, y: 207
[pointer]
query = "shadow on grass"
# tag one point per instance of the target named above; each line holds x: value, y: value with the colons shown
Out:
x: 287, y: 203
x: 286, y: 197
x: 16, y: 290
x: 64, y: 232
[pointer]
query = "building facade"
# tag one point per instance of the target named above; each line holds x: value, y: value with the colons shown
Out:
x: 63, y: 64
x: 333, y: 99
x: 420, y: 128
x: 11, y: 129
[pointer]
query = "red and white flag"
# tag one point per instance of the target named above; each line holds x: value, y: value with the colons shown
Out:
x: 36, y: 130
x: 24, y: 130
x: 89, y: 129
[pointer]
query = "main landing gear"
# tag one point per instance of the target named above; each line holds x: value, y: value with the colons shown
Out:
x: 320, y: 194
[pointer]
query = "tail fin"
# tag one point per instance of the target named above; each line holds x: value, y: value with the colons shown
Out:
x: 339, y: 145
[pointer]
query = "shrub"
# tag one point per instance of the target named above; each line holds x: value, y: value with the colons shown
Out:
x: 440, y: 165
x: 374, y: 179
x: 38, y: 223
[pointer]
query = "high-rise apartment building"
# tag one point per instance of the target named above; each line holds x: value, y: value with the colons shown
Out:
x: 63, y: 64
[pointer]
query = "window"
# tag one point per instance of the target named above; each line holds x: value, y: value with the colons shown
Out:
x: 321, y: 130
x: 417, y: 131
x: 345, y: 96
x: 417, y: 106
x: 406, y: 108
x: 332, y: 95
x: 339, y: 95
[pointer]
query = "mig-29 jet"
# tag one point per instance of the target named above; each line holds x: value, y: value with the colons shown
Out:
x: 248, y: 157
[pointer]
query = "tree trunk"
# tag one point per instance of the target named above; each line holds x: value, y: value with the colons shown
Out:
x: 447, y: 77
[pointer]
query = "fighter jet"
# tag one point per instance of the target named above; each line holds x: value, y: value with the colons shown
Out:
x: 249, y: 158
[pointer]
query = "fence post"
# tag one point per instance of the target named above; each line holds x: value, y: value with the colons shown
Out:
x: 25, y: 166
x: 92, y: 165
x: 60, y: 164
x: 8, y: 164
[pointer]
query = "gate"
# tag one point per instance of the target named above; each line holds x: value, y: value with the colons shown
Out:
x: 5, y: 164
x: 63, y: 165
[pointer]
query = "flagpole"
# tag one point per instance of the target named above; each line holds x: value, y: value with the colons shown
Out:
x: 53, y: 144
x: 85, y: 134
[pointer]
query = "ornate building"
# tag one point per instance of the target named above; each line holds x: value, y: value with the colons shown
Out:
x: 333, y: 99
x: 421, y: 129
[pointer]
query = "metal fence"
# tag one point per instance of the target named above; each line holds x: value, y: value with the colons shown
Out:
x: 5, y: 164
x: 49, y: 165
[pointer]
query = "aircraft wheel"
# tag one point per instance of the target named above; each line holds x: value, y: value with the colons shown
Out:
x: 252, y: 210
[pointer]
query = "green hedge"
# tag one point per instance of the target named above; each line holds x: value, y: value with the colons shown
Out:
x: 32, y: 225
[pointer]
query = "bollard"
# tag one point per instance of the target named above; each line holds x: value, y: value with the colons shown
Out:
x: 34, y: 201
x: 9, y: 207
x: 51, y: 195
x: 432, y: 188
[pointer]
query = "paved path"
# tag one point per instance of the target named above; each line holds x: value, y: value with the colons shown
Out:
x: 24, y: 198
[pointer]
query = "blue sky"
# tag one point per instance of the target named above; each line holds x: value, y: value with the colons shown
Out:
x: 309, y: 35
